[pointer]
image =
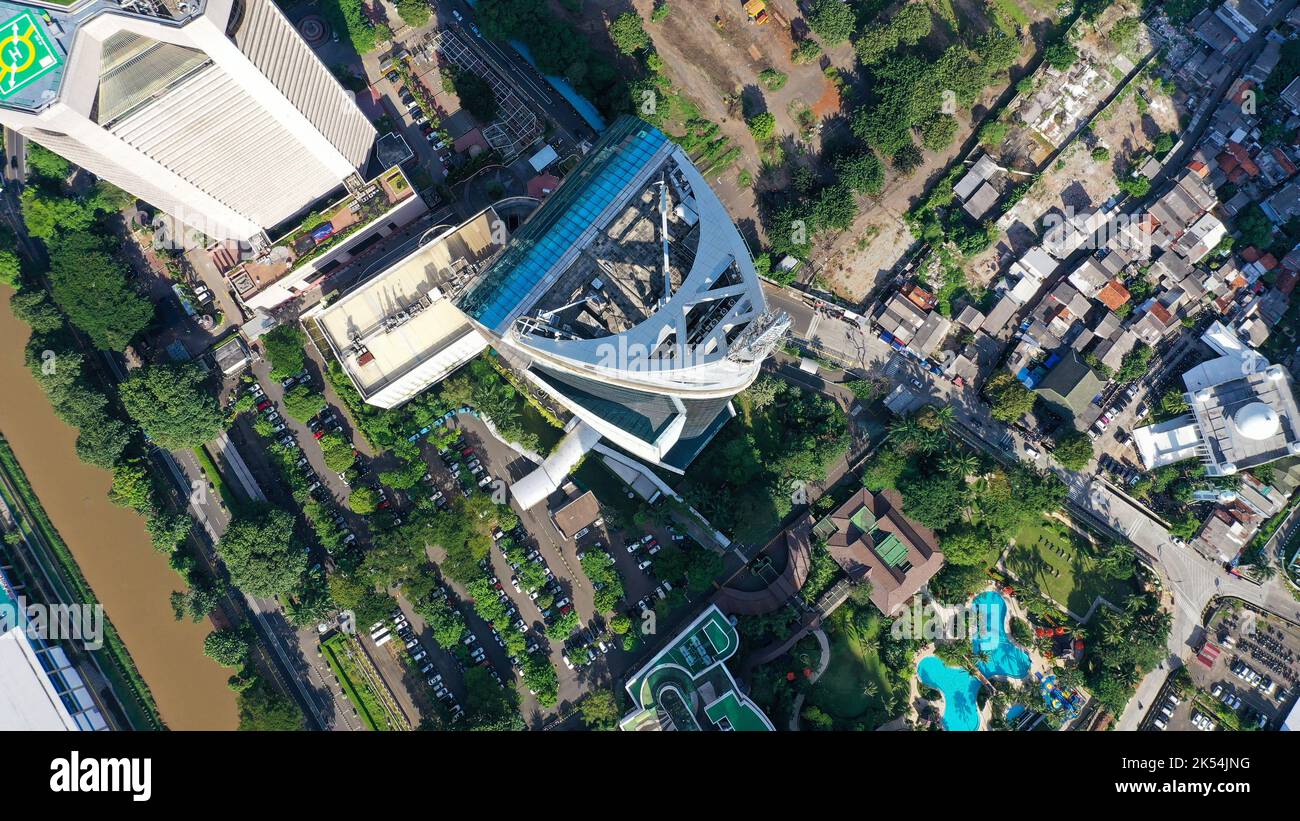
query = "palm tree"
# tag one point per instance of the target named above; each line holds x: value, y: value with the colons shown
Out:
x: 960, y: 463
x: 1127, y: 675
x: 904, y: 433
x: 931, y: 440
x: 943, y: 415
x: 870, y: 689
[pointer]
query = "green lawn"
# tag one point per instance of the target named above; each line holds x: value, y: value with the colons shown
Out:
x: 855, y: 665
x: 1074, y: 584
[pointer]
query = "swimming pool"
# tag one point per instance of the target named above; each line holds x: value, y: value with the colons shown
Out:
x: 1004, y: 657
x: 960, y: 707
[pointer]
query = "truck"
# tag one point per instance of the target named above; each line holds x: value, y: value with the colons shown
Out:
x: 757, y: 11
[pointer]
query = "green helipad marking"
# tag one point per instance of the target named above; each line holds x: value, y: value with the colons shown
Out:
x: 26, y: 53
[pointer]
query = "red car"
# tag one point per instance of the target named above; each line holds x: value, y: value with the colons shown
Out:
x: 385, y: 504
x: 264, y: 404
x: 564, y: 611
x: 467, y: 452
x: 318, y: 434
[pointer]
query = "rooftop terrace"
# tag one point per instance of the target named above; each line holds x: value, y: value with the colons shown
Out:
x: 687, y: 685
x: 321, y: 232
x: 404, y: 319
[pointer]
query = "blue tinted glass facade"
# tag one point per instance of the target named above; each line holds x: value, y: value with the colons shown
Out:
x: 625, y: 150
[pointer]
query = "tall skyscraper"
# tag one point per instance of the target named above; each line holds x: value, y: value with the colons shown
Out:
x: 214, y: 111
x: 630, y: 297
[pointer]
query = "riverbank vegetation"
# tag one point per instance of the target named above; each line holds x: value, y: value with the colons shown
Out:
x: 36, y: 528
x: 61, y: 295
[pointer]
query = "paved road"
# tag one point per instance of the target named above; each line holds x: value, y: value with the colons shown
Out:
x: 293, y: 658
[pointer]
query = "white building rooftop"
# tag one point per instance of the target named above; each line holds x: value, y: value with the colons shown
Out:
x: 400, y: 332
x: 1168, y: 442
x: 28, y: 700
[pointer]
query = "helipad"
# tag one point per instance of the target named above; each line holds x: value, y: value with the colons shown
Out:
x: 26, y: 53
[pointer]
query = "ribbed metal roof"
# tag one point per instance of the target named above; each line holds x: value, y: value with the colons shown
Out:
x: 134, y: 70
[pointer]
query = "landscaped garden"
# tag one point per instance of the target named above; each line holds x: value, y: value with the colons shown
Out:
x: 857, y: 687
x: 1061, y: 563
x: 369, y: 709
x: 783, y: 438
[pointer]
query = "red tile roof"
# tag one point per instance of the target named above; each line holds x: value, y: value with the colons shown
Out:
x: 1268, y: 262
x: 1250, y: 253
x: 1243, y: 157
x: 1113, y: 294
x: 542, y: 186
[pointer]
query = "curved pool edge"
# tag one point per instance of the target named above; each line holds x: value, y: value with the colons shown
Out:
x: 951, y: 709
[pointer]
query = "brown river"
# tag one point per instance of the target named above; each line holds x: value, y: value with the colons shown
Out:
x: 131, y: 579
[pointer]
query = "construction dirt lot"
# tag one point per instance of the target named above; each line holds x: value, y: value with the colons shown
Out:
x: 1075, y: 183
x: 714, y: 55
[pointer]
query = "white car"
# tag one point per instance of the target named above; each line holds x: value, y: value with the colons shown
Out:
x: 645, y: 565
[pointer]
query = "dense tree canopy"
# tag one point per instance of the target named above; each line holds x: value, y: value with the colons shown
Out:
x: 1009, y: 399
x: 10, y: 265
x: 860, y: 170
x: 1073, y: 450
x: 43, y: 162
x: 262, y: 708
x: 284, y: 348
x: 92, y: 288
x: 229, y: 647
x: 262, y: 554
x: 908, y: 26
x: 938, y: 132
x: 302, y: 402
x: 172, y: 406
x: 338, y: 452
x: 413, y: 12
x: 540, y: 677
x: 831, y: 20
x: 600, y: 710
x: 628, y: 34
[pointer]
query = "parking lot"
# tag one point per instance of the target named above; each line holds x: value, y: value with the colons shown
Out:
x: 538, y: 552
x: 1246, y: 675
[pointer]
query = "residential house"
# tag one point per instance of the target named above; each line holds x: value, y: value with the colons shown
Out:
x: 1070, y: 387
x: 1154, y: 324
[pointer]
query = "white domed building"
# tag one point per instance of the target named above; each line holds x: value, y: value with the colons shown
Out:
x: 1243, y: 413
